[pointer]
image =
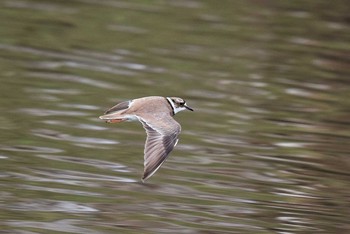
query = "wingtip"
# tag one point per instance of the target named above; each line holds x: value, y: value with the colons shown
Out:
x: 146, y: 176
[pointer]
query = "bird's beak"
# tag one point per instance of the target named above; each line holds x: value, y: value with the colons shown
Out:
x: 188, y: 108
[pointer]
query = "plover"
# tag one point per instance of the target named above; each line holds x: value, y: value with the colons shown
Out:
x: 156, y: 115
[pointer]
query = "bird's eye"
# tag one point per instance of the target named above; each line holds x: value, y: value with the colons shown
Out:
x: 181, y: 103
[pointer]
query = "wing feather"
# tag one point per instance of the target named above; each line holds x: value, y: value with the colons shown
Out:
x: 159, y: 143
x: 120, y: 106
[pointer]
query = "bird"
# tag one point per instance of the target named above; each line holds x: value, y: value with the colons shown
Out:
x: 156, y: 116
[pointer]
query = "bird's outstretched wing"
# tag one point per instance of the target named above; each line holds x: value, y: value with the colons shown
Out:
x: 161, y: 139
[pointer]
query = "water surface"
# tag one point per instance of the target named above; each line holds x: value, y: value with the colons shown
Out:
x: 266, y: 150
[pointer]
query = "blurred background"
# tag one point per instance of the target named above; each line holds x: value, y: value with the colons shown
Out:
x: 266, y: 150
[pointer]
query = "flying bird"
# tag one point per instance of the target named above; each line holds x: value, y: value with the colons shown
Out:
x: 156, y: 115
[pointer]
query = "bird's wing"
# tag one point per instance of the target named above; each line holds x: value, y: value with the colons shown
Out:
x: 114, y: 114
x: 120, y: 106
x: 161, y: 139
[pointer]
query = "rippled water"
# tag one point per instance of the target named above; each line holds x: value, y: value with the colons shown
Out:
x: 266, y: 150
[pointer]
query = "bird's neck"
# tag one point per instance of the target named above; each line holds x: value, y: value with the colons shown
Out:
x: 172, y: 106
